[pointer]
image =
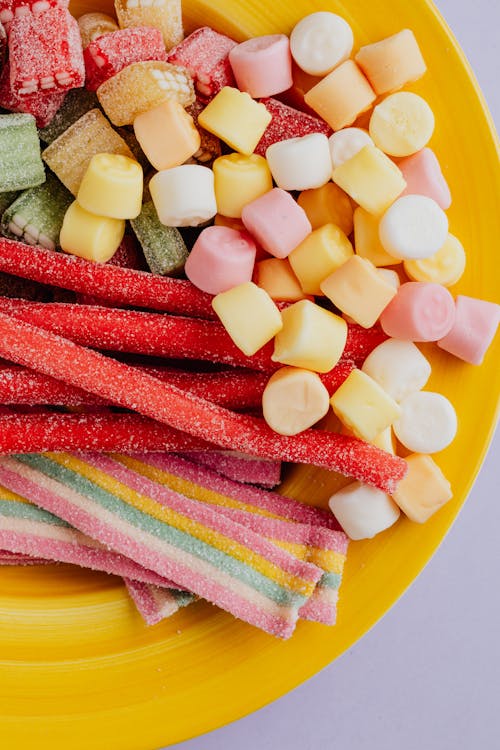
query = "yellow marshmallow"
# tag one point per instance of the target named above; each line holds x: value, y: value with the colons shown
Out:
x: 239, y: 180
x: 341, y: 96
x: 249, y: 316
x: 311, y: 337
x: 293, y: 400
x: 236, y: 118
x: 402, y: 124
x: 363, y: 406
x: 371, y: 179
x: 89, y: 236
x: 392, y: 62
x: 358, y: 290
x: 275, y: 275
x: 167, y: 135
x: 327, y: 204
x: 112, y: 186
x: 444, y: 267
x: 424, y: 489
x: 321, y: 253
x: 367, y: 241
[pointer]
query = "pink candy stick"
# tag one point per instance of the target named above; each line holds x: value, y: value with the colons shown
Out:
x: 420, y: 311
x: 240, y: 468
x: 262, y: 66
x: 221, y: 258
x: 475, y: 325
x: 154, y: 603
x: 423, y: 176
x: 11, y: 558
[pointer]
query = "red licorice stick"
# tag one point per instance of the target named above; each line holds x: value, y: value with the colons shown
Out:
x: 158, y: 335
x: 128, y: 387
x: 123, y: 286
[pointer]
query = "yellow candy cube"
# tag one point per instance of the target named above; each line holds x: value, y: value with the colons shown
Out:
x: 167, y: 135
x: 311, y: 337
x: 358, y: 290
x: 341, y: 96
x: 240, y: 179
x: 424, y: 489
x: 112, y: 186
x: 371, y: 179
x: 321, y: 253
x: 327, y: 204
x: 249, y: 316
x: 444, y: 267
x: 235, y: 118
x: 275, y: 275
x: 363, y: 406
x: 367, y: 241
x: 89, y: 236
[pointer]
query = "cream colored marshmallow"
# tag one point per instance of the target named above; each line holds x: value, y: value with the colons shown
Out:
x: 320, y: 42
x: 424, y: 489
x: 293, y: 400
x: 427, y: 423
x: 399, y: 367
x: 300, y: 163
x: 345, y: 143
x: 184, y: 196
x: 363, y: 511
x: 414, y: 227
x: 402, y: 124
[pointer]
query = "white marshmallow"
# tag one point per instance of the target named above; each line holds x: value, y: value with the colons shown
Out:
x: 363, y: 511
x: 390, y: 276
x: 293, y: 400
x: 184, y: 196
x: 427, y: 423
x: 413, y: 227
x: 300, y: 163
x: 346, y: 143
x: 320, y: 42
x: 399, y: 367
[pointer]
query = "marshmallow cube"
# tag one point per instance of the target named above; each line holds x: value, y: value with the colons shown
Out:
x: 249, y: 316
x: 402, y: 124
x: 167, y: 135
x: 424, y: 489
x: 392, y: 62
x: 472, y: 332
x: 293, y: 400
x: 399, y: 367
x: 112, y: 186
x: 184, y: 196
x: 92, y: 237
x: 321, y: 253
x: 234, y: 117
x: 262, y: 66
x: 367, y: 241
x: 419, y: 312
x: 277, y: 222
x: 276, y: 276
x: 371, y: 179
x: 239, y: 180
x: 300, y: 163
x: 363, y: 511
x: 342, y: 96
x: 327, y: 204
x: 311, y: 338
x: 413, y: 227
x: 423, y: 176
x: 392, y: 278
x: 358, y: 291
x: 444, y: 267
x: 320, y: 42
x: 363, y: 406
x: 427, y: 423
x: 345, y: 143
x: 220, y: 259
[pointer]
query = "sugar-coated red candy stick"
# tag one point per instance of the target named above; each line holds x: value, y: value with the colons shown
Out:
x: 205, y: 54
x: 288, y: 122
x: 125, y: 386
x: 123, y: 286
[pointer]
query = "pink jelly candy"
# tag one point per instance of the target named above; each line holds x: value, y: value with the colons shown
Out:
x: 475, y: 325
x: 277, y: 222
x: 420, y: 311
x: 263, y: 66
x: 220, y: 259
x: 423, y: 176
x: 288, y: 122
x: 205, y: 54
x: 43, y: 105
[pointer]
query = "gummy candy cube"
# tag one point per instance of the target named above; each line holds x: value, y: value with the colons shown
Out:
x: 76, y: 103
x: 94, y: 25
x: 165, y: 15
x: 205, y: 54
x: 42, y: 105
x: 20, y: 163
x: 163, y: 247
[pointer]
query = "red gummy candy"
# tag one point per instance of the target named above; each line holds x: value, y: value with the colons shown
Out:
x: 205, y: 54
x: 288, y: 122
x: 11, y: 8
x: 42, y: 105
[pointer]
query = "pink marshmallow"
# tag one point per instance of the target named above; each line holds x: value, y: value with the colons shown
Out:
x: 263, y: 66
x: 277, y: 222
x: 419, y: 312
x: 423, y: 176
x: 220, y: 259
x: 475, y: 325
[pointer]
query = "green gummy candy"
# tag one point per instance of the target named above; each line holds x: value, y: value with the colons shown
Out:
x: 76, y: 103
x: 21, y: 165
x: 163, y: 247
x: 6, y: 199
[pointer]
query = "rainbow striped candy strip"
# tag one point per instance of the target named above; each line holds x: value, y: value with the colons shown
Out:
x: 156, y: 603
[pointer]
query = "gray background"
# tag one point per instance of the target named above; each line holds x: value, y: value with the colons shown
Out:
x: 426, y: 677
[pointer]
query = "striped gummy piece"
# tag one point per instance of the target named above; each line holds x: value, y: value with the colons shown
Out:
x: 238, y: 466
x: 155, y: 603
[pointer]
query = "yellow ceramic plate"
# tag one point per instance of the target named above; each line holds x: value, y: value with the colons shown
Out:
x: 78, y: 670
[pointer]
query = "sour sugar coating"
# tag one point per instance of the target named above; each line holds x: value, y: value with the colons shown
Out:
x: 220, y: 259
x: 36, y: 216
x: 163, y: 247
x: 94, y: 25
x: 21, y: 166
x: 262, y: 66
x: 69, y: 155
x: 25, y: 344
x: 238, y: 467
x: 205, y: 54
x: 420, y: 311
x: 427, y: 423
x: 320, y: 42
x: 76, y: 103
x: 473, y: 330
x: 287, y: 122
x: 42, y: 105
x: 154, y: 603
x: 300, y: 163
x: 55, y: 64
x: 7, y: 199
x: 165, y: 15
x: 142, y: 86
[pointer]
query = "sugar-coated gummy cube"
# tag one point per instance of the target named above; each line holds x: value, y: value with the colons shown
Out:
x: 165, y: 15
x: 402, y: 124
x: 424, y: 489
x: 287, y: 122
x: 328, y: 204
x: 94, y: 25
x: 92, y: 237
x: 357, y: 289
x: 43, y: 105
x: 300, y: 163
x: 7, y: 199
x: 140, y: 87
x: 423, y: 176
x: 236, y: 118
x: 112, y: 186
x: 167, y: 135
x: 363, y: 511
x: 367, y: 241
x: 262, y: 65
x: 293, y: 400
x: 342, y: 96
x: 184, y: 196
x: 445, y: 267
x: 21, y: 166
x: 240, y: 179
x: 205, y: 54
x: 75, y: 104
x: 249, y: 316
x: 163, y: 247
x: 311, y: 337
x: 392, y: 62
x: 371, y: 179
x: 276, y: 276
x: 277, y: 222
x: 69, y: 155
x: 399, y: 367
x: 473, y: 329
x: 363, y: 406
x: 220, y: 259
x: 321, y: 253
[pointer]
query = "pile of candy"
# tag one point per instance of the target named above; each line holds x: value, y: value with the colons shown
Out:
x: 144, y: 415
